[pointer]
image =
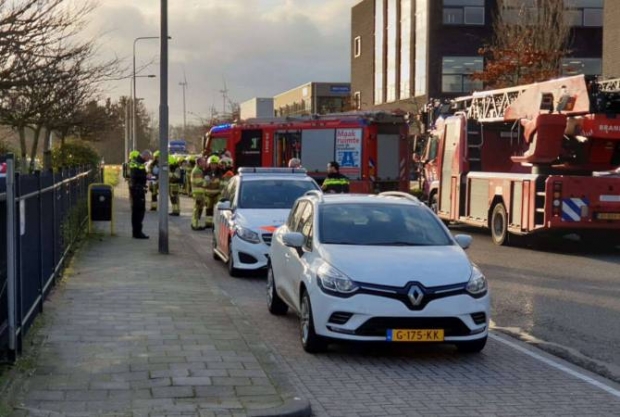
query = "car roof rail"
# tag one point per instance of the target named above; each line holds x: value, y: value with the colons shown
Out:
x: 315, y: 193
x: 400, y: 194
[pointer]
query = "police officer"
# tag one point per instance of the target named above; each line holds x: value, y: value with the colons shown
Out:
x: 335, y: 181
x: 137, y: 191
x: 174, y: 165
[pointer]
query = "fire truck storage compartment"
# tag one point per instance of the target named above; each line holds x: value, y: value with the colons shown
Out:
x: 287, y: 146
x: 316, y: 145
x: 248, y: 150
x: 387, y: 156
x: 478, y: 198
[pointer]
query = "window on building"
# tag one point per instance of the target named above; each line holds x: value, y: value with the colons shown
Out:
x: 379, y: 62
x: 405, y: 48
x: 456, y: 74
x: 421, y: 47
x: 357, y: 100
x: 587, y: 13
x: 357, y: 46
x: 586, y: 66
x: 392, y: 30
x: 463, y: 12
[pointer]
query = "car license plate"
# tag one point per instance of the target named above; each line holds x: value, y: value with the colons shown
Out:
x: 417, y: 335
x: 608, y: 216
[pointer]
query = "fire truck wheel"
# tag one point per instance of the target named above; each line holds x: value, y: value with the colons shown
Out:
x: 434, y: 203
x: 499, y: 225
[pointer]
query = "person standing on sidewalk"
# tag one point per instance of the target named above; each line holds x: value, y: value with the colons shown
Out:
x: 198, y: 192
x: 137, y: 192
x: 175, y: 185
x: 153, y: 172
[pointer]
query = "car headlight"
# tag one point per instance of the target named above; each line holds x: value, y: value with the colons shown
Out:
x: 477, y: 284
x: 247, y: 234
x: 334, y: 282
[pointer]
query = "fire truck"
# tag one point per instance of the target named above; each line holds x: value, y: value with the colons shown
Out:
x: 373, y: 149
x: 532, y: 159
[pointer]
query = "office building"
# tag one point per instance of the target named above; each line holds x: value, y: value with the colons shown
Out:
x: 313, y: 98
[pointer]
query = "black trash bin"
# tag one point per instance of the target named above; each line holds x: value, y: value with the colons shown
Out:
x: 101, y: 205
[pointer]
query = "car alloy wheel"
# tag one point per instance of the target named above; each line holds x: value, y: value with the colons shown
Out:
x: 275, y: 304
x: 311, y: 342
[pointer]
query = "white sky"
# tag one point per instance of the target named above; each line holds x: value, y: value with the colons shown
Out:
x: 260, y: 47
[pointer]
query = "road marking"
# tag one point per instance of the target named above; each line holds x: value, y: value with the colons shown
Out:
x: 558, y: 366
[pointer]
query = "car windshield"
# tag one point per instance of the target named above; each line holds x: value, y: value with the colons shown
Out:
x: 380, y: 225
x: 272, y: 193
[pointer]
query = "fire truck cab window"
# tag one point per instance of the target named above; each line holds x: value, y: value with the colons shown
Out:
x: 288, y: 145
x: 463, y: 12
x: 456, y: 72
x: 216, y: 145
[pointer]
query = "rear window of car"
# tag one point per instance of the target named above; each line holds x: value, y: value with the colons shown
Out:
x: 380, y: 225
x: 272, y: 193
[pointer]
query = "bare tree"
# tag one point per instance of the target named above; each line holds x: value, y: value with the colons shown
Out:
x: 530, y: 39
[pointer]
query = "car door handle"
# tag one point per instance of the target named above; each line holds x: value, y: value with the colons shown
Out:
x: 287, y: 256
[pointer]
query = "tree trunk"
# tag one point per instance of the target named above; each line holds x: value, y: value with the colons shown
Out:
x: 24, y: 151
x: 47, y: 140
x: 35, y: 145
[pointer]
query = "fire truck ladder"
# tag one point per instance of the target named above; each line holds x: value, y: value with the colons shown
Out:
x: 490, y: 106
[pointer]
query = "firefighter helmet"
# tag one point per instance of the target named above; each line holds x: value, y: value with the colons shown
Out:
x: 213, y: 159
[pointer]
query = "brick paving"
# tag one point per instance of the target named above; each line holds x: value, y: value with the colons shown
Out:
x: 135, y: 333
x: 378, y: 380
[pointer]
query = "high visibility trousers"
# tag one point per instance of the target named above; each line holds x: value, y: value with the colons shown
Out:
x: 199, y: 205
x: 211, y: 199
x: 174, y: 198
x: 154, y: 192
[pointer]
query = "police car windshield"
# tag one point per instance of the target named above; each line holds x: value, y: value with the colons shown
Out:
x: 272, y: 193
x: 380, y: 225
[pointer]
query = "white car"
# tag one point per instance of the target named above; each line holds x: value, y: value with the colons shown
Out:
x: 376, y: 268
x: 254, y: 203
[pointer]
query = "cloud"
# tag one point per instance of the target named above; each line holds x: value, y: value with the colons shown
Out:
x: 259, y: 47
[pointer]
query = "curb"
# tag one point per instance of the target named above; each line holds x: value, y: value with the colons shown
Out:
x: 295, y: 407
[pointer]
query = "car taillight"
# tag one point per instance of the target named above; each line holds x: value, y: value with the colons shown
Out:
x: 557, y: 198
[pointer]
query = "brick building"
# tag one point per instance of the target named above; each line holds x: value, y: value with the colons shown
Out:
x: 611, y: 40
x: 406, y: 51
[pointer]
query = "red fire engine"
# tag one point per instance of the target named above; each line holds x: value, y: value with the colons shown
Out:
x: 530, y: 159
x: 372, y: 148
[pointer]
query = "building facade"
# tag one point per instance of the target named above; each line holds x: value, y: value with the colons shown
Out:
x: 313, y: 98
x: 611, y: 40
x: 404, y: 52
x: 256, y: 107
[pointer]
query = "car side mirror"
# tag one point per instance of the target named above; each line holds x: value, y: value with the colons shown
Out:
x: 464, y: 241
x: 294, y: 240
x: 223, y: 206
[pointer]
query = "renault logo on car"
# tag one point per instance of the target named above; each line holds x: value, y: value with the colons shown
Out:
x: 415, y: 295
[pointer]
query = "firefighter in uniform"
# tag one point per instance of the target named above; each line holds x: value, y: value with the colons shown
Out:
x: 191, y: 164
x: 212, y: 179
x: 226, y: 166
x: 137, y: 191
x: 335, y: 181
x: 198, y: 192
x: 153, y: 171
x: 175, y: 184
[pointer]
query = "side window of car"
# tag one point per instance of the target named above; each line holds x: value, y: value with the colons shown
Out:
x: 295, y: 215
x: 305, y: 225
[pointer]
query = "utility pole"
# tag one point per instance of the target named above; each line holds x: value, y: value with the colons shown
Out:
x: 163, y: 131
x: 224, y: 97
x: 184, y: 85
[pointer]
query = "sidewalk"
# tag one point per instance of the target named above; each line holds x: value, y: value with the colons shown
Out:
x: 135, y: 333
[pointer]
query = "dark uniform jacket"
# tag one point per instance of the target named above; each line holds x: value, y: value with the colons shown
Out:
x: 336, y: 183
x: 137, y: 173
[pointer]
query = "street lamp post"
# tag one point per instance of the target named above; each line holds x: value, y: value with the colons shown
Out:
x: 163, y: 129
x: 129, y: 144
x: 133, y: 96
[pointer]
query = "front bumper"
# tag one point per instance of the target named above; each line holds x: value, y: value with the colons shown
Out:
x: 461, y: 316
x: 250, y: 256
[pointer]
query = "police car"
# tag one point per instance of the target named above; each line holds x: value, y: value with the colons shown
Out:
x: 255, y: 202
